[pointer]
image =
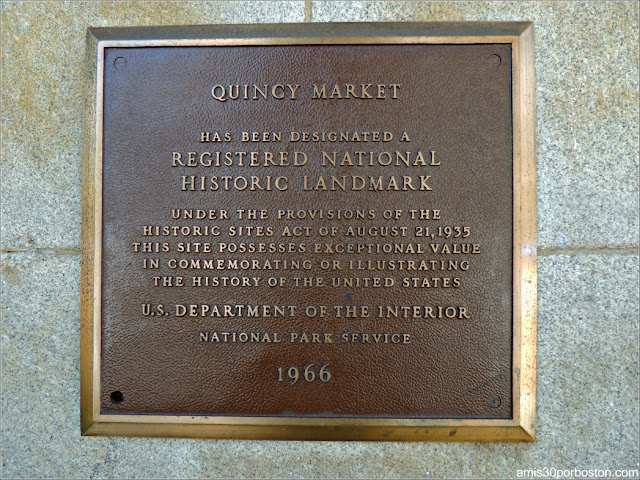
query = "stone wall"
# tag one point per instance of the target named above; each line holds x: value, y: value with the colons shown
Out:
x: 587, y: 134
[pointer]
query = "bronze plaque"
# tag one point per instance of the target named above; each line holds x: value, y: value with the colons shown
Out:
x: 310, y: 232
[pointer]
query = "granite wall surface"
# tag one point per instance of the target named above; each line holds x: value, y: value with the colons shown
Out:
x: 587, y: 134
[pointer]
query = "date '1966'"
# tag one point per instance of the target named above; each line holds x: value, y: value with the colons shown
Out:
x: 308, y: 374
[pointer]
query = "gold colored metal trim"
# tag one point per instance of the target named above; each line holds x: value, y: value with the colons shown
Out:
x: 520, y: 428
x: 304, y: 41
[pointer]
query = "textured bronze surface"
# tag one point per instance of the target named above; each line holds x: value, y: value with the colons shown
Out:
x: 157, y: 355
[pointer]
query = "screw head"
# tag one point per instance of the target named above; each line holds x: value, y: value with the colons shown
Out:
x: 494, y: 60
x: 120, y: 63
x: 117, y: 397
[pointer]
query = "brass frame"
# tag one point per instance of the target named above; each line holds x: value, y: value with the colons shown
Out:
x: 521, y: 428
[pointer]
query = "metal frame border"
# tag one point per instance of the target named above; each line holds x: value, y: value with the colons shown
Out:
x: 520, y: 428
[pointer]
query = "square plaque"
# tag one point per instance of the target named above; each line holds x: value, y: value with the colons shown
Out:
x: 318, y: 231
